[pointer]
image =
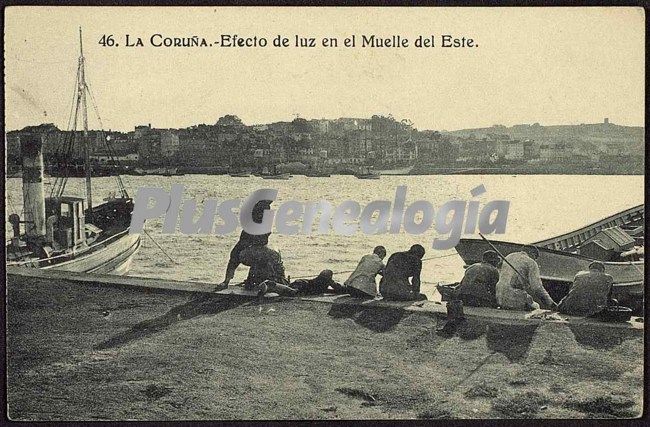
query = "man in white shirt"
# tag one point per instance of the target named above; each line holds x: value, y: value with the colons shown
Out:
x: 522, y: 289
x: 361, y: 283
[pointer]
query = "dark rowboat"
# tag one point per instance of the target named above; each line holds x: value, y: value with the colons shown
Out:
x: 277, y: 176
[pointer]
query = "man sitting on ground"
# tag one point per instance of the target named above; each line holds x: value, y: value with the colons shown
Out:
x: 401, y: 266
x: 361, y: 283
x: 478, y: 287
x: 521, y: 288
x: 590, y: 293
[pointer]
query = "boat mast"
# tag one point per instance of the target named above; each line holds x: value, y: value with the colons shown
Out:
x: 82, y: 99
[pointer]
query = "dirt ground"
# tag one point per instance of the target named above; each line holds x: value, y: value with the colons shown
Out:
x: 90, y: 353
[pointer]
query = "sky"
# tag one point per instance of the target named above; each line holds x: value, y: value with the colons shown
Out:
x: 545, y: 65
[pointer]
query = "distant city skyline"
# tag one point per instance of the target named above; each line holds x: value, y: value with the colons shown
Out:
x: 552, y: 66
x: 153, y: 125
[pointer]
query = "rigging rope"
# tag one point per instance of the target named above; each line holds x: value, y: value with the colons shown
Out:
x: 65, y: 150
x: 159, y: 247
x: 350, y: 271
x: 111, y: 153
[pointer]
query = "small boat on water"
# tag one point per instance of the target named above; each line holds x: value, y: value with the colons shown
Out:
x: 170, y: 171
x: 397, y: 171
x: 630, y: 220
x: 366, y: 172
x: 162, y: 171
x: 240, y: 174
x: 63, y: 232
x: 282, y: 176
x: 237, y: 171
x: 318, y: 174
x: 616, y: 241
x: 274, y: 174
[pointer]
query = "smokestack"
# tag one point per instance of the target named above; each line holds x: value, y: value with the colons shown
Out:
x: 31, y: 150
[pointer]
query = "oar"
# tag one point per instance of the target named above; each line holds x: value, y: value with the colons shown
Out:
x: 503, y: 258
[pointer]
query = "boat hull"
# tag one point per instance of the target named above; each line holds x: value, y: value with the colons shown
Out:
x: 572, y: 240
x: 114, y: 257
x: 282, y: 176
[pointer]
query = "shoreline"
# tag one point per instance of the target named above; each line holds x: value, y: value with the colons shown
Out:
x: 82, y: 351
x: 442, y: 173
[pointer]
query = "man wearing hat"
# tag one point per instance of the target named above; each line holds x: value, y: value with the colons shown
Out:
x: 478, y: 287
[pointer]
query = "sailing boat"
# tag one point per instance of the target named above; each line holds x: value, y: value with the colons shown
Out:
x: 67, y: 232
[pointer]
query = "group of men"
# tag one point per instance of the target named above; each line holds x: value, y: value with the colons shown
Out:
x: 512, y: 282
x: 400, y: 279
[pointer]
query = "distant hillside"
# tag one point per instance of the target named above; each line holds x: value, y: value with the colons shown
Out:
x: 604, y: 135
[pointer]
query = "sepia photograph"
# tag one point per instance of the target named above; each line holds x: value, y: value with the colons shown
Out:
x: 324, y: 213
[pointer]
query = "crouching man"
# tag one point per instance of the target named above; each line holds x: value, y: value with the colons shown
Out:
x: 401, y: 267
x: 478, y: 287
x: 361, y: 283
x: 265, y: 263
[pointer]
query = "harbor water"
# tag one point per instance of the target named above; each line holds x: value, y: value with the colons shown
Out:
x: 541, y: 206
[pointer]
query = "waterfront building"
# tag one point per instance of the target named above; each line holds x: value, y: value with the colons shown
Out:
x: 107, y: 158
x: 549, y: 151
x: 513, y: 150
